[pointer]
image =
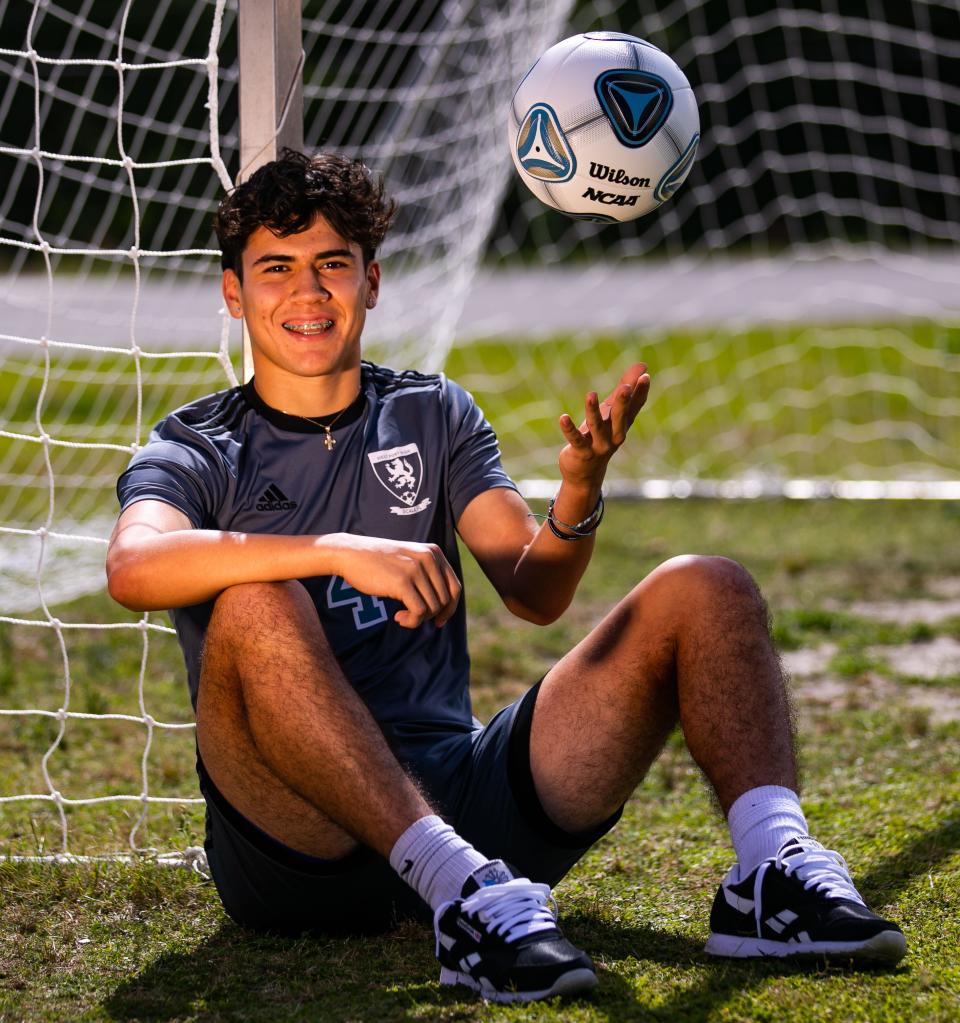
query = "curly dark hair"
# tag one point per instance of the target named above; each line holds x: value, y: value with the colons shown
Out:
x: 287, y: 194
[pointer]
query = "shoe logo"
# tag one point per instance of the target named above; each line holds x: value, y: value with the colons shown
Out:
x: 400, y: 471
x: 472, y: 931
x: 779, y: 922
x: 542, y: 148
x: 738, y: 902
x: 636, y: 103
x: 274, y: 499
x: 493, y: 875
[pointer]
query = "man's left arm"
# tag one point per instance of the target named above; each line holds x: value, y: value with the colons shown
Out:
x: 534, y: 570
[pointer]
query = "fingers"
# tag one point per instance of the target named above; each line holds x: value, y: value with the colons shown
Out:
x: 594, y: 433
x: 430, y: 589
x: 620, y: 419
x: 596, y: 421
x: 626, y: 405
x: 573, y: 434
x: 631, y: 375
x: 640, y: 393
x: 453, y: 591
x: 606, y: 423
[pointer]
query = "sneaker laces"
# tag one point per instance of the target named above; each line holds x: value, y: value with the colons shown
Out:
x: 514, y: 909
x: 820, y: 869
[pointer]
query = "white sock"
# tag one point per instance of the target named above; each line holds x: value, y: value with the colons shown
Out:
x: 434, y: 860
x: 760, y: 821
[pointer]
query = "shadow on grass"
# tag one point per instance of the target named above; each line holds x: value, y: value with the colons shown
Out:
x: 234, y: 975
x: 918, y: 856
x: 702, y: 993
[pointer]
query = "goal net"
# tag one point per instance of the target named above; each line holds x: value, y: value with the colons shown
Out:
x: 795, y: 301
x: 120, y: 133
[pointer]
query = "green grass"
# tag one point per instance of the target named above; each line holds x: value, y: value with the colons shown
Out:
x: 111, y: 942
x: 862, y: 401
x: 85, y: 400
x: 794, y: 401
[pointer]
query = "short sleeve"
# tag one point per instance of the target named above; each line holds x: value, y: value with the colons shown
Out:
x: 180, y: 468
x: 474, y: 460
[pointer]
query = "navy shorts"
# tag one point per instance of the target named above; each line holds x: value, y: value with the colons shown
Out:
x: 489, y: 798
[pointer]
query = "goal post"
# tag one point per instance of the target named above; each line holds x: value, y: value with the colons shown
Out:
x: 271, y: 62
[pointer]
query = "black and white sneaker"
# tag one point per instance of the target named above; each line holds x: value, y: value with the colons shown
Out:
x: 501, y: 939
x: 801, y: 902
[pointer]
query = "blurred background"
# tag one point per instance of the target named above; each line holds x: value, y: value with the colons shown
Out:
x: 796, y: 301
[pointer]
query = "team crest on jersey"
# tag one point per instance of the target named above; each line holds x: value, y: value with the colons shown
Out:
x: 400, y: 470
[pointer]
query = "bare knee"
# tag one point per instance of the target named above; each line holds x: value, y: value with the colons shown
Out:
x: 254, y: 623
x: 691, y: 582
x: 258, y: 634
x: 243, y: 598
x: 255, y: 611
x: 708, y: 573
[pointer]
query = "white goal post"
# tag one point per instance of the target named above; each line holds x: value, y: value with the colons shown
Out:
x: 271, y: 59
x: 796, y: 300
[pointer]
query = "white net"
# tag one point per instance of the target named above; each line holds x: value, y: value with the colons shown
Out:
x: 120, y: 134
x: 796, y: 300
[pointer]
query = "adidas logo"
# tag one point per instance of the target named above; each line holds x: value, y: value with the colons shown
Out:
x: 274, y: 499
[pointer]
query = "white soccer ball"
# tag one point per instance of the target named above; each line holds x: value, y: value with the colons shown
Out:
x: 604, y: 127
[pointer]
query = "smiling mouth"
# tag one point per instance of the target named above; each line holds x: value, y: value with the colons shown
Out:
x: 316, y: 327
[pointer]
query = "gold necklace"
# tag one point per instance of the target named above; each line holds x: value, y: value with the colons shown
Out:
x: 329, y: 441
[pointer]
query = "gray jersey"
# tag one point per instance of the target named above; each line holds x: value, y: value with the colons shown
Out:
x: 411, y: 453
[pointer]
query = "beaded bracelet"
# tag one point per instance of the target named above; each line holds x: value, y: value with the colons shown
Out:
x: 581, y: 530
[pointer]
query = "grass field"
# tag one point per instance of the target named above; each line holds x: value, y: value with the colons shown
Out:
x: 862, y: 401
x: 879, y: 746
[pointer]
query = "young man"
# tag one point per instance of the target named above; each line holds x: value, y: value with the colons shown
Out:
x: 303, y: 530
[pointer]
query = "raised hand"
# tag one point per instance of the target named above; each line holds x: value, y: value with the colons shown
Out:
x: 592, y: 444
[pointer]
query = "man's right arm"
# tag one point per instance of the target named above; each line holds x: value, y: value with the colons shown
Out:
x: 156, y: 560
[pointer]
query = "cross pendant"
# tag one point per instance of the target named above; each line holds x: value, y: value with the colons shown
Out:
x: 329, y: 443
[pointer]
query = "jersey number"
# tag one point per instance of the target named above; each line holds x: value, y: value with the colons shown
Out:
x: 367, y: 610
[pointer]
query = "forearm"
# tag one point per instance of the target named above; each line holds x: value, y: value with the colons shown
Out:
x: 535, y: 571
x: 188, y: 566
x: 550, y: 568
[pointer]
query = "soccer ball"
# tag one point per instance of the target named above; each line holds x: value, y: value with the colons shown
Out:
x: 604, y: 127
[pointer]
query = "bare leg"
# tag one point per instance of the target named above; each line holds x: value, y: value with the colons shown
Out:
x: 285, y: 737
x: 689, y: 643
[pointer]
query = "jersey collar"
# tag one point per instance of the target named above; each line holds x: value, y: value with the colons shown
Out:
x: 295, y: 424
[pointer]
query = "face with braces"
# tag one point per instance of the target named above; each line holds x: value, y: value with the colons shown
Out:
x: 304, y: 298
